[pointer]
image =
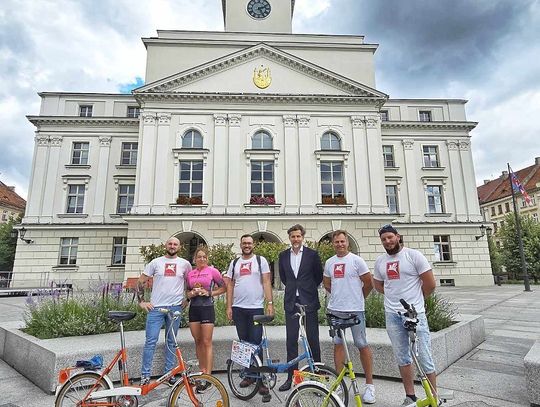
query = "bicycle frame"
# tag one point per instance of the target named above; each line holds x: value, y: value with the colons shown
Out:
x: 128, y: 389
x: 430, y: 400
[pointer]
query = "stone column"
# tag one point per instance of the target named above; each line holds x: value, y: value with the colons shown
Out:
x: 361, y: 165
x: 98, y: 214
x: 375, y: 163
x: 162, y: 176
x: 236, y: 189
x: 292, y: 164
x: 416, y: 210
x: 308, y: 186
x: 50, y: 196
x: 458, y: 187
x: 144, y: 189
x: 220, y: 152
x: 473, y: 208
x: 37, y: 178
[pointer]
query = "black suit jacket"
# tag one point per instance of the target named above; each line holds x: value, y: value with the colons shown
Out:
x: 310, y: 276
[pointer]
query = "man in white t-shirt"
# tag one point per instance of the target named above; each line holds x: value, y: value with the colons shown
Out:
x: 248, y: 285
x: 403, y: 273
x: 348, y: 280
x: 167, y: 273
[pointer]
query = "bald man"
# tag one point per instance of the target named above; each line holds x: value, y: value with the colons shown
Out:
x: 168, y: 273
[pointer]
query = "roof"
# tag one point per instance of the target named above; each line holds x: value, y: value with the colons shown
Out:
x: 8, y: 197
x: 500, y: 188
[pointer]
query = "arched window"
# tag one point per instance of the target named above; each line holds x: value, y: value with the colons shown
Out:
x: 330, y: 141
x: 261, y: 141
x: 192, y: 139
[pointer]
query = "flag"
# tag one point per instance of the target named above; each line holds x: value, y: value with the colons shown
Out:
x: 517, y: 187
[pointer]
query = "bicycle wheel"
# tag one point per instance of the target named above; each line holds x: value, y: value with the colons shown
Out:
x: 214, y: 393
x: 75, y: 390
x: 330, y: 377
x: 243, y: 384
x: 311, y: 395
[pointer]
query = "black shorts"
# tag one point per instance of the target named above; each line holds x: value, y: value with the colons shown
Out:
x: 205, y: 314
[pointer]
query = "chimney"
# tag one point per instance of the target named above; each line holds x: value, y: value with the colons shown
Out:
x: 486, y: 181
x: 11, y: 188
x: 537, y: 161
x: 505, y: 174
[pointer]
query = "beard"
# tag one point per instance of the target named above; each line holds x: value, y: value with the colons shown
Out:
x: 393, y: 250
x: 172, y: 252
x: 247, y: 252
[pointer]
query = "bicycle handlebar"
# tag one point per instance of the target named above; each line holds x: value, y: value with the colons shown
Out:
x: 410, y: 314
x: 302, y: 310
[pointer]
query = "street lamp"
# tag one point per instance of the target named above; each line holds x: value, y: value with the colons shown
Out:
x: 21, y: 232
x: 483, y: 229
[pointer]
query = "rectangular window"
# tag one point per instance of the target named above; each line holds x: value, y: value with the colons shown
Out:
x: 133, y: 111
x: 424, y: 115
x: 435, y: 199
x: 262, y: 179
x: 495, y: 227
x: 75, y: 199
x: 441, y: 246
x: 191, y: 179
x: 129, y: 154
x: 85, y: 110
x: 126, y: 196
x: 535, y: 217
x: 68, y: 250
x: 4, y: 216
x: 79, y: 155
x: 388, y: 156
x: 332, y: 183
x: 431, y: 156
x: 392, y: 198
x: 492, y: 211
x: 119, y: 251
x: 499, y: 209
x: 507, y: 206
x: 384, y: 115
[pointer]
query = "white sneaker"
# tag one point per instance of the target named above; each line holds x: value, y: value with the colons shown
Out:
x: 408, y: 402
x: 369, y: 394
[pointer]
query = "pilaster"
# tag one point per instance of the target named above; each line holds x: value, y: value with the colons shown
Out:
x: 235, y: 153
x: 305, y: 157
x: 37, y: 179
x: 49, y: 196
x: 415, y: 211
x: 292, y: 164
x: 102, y: 178
x: 220, y: 150
x: 361, y: 165
x: 162, y: 161
x: 144, y: 190
x: 375, y: 163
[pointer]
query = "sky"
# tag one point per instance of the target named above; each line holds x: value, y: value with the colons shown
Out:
x: 484, y: 51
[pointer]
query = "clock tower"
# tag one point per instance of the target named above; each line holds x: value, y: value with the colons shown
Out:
x: 262, y: 16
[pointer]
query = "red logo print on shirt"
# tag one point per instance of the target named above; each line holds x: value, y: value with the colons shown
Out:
x: 245, y: 269
x: 170, y: 270
x: 392, y: 270
x: 339, y: 270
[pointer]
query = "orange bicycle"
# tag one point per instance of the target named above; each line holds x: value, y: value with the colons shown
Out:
x: 93, y: 387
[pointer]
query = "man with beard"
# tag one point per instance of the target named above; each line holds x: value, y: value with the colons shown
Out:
x: 300, y: 270
x: 168, y: 273
x: 248, y: 285
x: 348, y: 280
x: 403, y: 273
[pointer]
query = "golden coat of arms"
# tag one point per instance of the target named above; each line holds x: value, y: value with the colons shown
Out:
x: 261, y: 77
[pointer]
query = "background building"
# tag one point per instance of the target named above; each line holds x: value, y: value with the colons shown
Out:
x: 11, y: 204
x: 248, y: 131
x: 495, y: 196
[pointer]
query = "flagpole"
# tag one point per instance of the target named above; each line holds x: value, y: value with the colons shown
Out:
x: 518, y: 233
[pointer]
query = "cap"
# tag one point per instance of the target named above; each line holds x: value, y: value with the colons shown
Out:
x: 388, y: 228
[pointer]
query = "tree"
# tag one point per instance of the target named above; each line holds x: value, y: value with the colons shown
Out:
x: 530, y: 234
x: 495, y: 257
x: 220, y: 256
x: 7, y: 246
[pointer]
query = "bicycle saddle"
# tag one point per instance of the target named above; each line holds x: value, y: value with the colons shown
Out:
x: 263, y: 319
x: 342, y: 323
x: 121, y: 315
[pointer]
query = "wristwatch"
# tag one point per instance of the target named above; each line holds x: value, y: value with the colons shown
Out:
x: 270, y: 302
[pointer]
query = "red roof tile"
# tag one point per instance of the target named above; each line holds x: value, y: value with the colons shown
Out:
x: 500, y: 187
x: 8, y: 197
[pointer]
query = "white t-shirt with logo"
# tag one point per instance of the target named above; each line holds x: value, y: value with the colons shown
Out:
x: 168, y: 280
x: 248, y: 288
x: 401, y: 276
x: 346, y: 293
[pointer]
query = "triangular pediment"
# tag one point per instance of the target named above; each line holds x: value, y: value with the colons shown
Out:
x: 281, y: 73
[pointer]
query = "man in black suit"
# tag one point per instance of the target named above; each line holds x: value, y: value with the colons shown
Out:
x: 300, y: 269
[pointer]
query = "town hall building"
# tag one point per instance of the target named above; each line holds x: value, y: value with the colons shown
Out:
x: 249, y: 130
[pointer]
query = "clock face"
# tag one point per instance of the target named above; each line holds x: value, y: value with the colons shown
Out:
x: 259, y: 8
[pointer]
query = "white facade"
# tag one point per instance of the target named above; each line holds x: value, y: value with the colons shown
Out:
x: 327, y: 128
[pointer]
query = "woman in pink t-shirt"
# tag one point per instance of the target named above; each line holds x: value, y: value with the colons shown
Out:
x: 203, y: 283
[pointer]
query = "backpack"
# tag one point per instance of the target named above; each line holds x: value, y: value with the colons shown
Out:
x: 236, y: 261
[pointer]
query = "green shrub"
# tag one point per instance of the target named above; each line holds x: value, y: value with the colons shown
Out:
x: 220, y: 256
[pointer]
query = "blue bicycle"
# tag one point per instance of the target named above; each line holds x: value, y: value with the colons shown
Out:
x: 262, y: 371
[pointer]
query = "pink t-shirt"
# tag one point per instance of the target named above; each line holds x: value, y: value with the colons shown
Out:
x: 205, y: 278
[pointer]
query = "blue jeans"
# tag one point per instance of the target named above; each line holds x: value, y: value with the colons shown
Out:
x: 154, y: 322
x: 400, y: 341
